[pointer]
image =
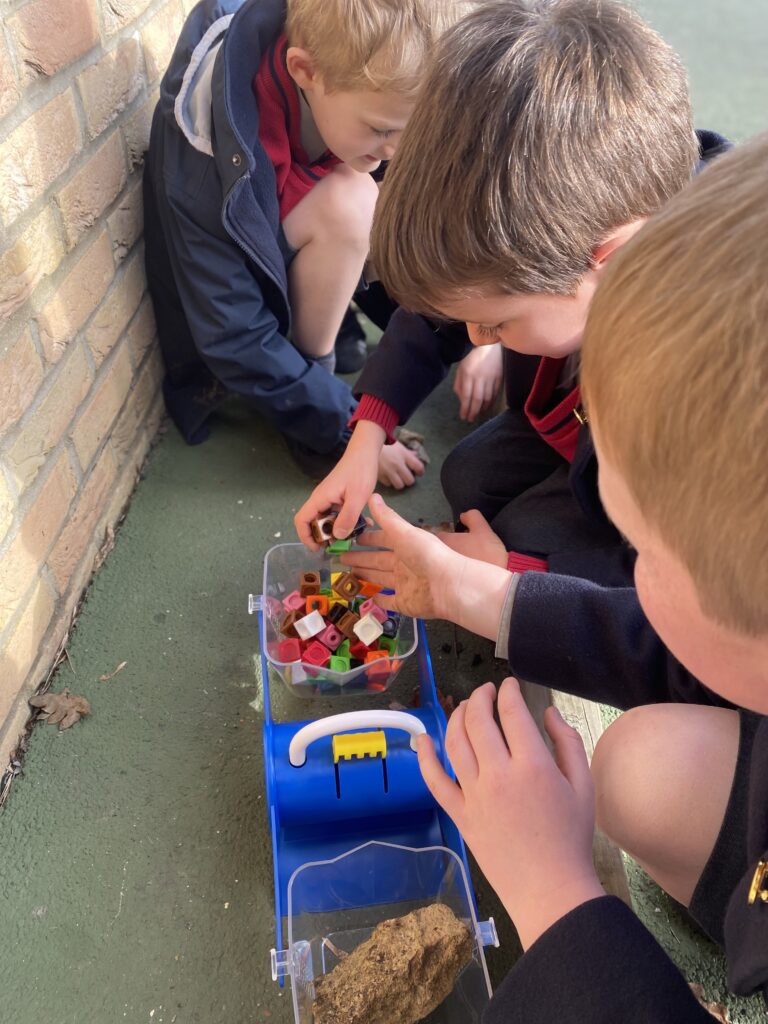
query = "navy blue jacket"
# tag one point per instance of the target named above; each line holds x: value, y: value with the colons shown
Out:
x: 215, y: 264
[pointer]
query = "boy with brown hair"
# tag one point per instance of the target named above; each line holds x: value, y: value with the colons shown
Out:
x: 675, y: 381
x: 545, y: 133
x: 259, y: 200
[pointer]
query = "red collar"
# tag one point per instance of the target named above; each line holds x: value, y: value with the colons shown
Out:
x: 559, y: 426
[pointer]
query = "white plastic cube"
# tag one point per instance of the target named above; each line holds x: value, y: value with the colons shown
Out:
x: 368, y: 629
x: 309, y: 625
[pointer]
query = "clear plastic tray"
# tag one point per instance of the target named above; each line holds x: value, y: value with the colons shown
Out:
x: 283, y: 565
x: 370, y: 884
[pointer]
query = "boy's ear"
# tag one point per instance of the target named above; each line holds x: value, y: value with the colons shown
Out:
x: 301, y: 68
x: 605, y: 250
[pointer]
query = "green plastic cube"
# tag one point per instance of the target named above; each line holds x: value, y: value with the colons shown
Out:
x: 338, y: 547
x: 339, y: 664
x: 388, y: 643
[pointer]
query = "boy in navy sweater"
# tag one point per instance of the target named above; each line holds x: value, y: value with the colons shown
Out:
x: 259, y: 200
x: 675, y: 384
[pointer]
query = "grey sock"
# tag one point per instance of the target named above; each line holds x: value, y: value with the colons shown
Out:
x: 327, y: 362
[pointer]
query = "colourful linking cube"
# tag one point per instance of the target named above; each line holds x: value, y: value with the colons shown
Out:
x: 294, y: 602
x: 316, y: 602
x: 316, y: 654
x: 330, y: 637
x: 339, y: 664
x: 370, y: 607
x: 309, y: 625
x: 289, y: 650
x: 368, y: 629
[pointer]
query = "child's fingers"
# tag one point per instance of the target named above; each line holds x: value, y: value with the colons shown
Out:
x: 370, y: 561
x: 475, y: 521
x: 475, y: 403
x: 414, y: 462
x: 484, y: 735
x: 372, y: 538
x: 459, y: 747
x: 354, y: 503
x: 441, y: 786
x: 523, y: 737
x: 570, y: 755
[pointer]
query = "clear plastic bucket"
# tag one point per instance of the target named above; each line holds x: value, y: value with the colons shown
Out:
x: 334, y: 905
x: 283, y: 566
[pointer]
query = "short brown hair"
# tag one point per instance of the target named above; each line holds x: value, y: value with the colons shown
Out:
x: 675, y: 374
x: 371, y: 44
x: 540, y: 127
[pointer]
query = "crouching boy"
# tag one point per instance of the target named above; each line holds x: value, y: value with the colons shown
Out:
x: 259, y: 201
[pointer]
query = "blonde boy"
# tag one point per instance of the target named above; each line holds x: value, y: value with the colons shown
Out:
x: 259, y: 200
x: 675, y: 379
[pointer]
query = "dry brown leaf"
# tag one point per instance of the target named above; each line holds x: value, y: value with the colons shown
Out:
x: 111, y: 675
x: 415, y: 442
x: 61, y: 708
x: 717, y: 1010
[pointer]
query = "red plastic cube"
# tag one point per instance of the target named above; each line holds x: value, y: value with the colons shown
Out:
x: 289, y: 650
x: 316, y: 654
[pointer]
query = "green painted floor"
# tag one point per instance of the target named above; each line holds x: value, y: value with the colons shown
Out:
x: 135, y: 870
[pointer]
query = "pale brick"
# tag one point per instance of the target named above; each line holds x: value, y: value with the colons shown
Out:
x: 119, y: 13
x: 104, y: 405
x: 136, y: 130
x: 36, y: 153
x: 23, y: 645
x: 21, y: 374
x: 109, y: 86
x: 159, y: 38
x: 9, y: 90
x: 127, y: 222
x: 44, y: 430
x: 76, y: 298
x: 51, y: 34
x: 35, y: 255
x: 7, y: 508
x: 116, y: 311
x: 133, y: 417
x: 90, y: 508
x: 39, y: 529
x: 92, y: 189
x: 143, y: 330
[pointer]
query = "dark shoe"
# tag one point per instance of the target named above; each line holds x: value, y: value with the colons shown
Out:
x: 316, y: 465
x: 351, y: 351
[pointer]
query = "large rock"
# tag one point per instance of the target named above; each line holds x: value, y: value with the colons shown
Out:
x: 406, y: 969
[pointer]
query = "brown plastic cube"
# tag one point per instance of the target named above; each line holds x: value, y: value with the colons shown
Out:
x: 310, y: 583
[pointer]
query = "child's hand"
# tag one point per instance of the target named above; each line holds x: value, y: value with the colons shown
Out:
x: 419, y: 567
x: 348, y: 486
x: 399, y: 466
x: 528, y: 818
x: 478, y: 379
x: 479, y: 542
x: 429, y: 579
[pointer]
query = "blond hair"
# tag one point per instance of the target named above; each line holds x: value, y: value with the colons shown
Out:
x: 540, y: 127
x: 379, y: 45
x: 675, y: 373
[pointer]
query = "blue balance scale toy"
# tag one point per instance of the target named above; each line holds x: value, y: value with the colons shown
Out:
x: 356, y: 836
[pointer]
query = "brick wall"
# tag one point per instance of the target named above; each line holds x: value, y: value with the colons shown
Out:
x: 79, y: 367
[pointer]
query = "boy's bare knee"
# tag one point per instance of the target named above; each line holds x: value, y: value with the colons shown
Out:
x: 622, y: 768
x: 347, y: 209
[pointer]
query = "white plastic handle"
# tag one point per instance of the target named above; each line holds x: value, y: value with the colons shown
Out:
x: 297, y: 751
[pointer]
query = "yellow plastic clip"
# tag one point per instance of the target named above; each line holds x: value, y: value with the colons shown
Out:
x: 359, y: 744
